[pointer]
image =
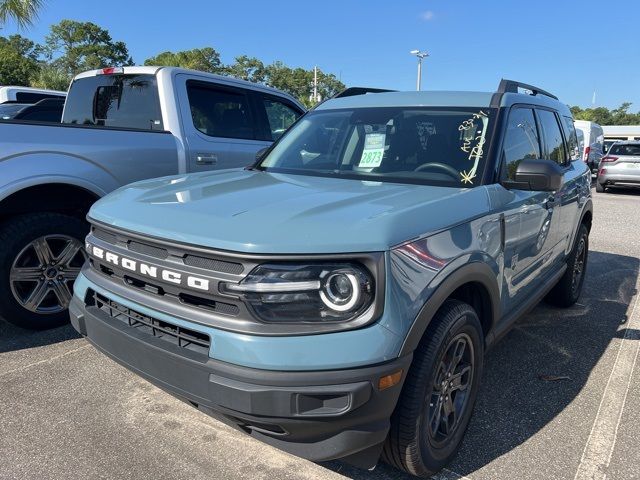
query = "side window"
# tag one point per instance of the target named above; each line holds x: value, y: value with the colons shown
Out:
x: 219, y: 112
x: 280, y: 116
x: 553, y: 143
x: 520, y: 142
x: 572, y: 138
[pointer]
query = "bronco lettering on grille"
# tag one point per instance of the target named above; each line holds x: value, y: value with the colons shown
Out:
x: 147, y: 270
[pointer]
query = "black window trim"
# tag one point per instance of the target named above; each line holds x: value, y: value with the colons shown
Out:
x: 246, y: 93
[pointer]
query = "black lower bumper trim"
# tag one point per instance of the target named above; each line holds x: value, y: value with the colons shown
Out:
x: 319, y: 415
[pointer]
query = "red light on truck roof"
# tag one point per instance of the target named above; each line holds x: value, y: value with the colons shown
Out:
x: 112, y: 70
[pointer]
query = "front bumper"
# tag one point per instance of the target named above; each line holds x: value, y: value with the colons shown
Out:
x: 318, y: 415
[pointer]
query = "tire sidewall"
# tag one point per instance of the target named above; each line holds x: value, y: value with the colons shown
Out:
x: 466, y: 323
x: 582, y: 234
x: 15, y: 234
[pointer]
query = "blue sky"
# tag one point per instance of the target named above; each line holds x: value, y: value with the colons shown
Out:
x: 567, y: 47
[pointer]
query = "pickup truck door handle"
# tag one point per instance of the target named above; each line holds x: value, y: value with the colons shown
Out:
x: 206, y: 158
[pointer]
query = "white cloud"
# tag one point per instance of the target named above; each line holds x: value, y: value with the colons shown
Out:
x: 428, y: 15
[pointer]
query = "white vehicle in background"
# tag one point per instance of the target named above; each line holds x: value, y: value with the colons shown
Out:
x: 593, y: 143
x: 28, y: 95
x: 619, y: 133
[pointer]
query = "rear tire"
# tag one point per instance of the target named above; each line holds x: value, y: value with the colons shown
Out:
x: 567, y: 291
x: 599, y: 187
x: 424, y: 437
x: 41, y: 256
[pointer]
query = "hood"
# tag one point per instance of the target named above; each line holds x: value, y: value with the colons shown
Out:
x: 263, y: 212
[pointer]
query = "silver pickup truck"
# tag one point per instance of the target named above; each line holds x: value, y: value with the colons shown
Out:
x: 119, y: 125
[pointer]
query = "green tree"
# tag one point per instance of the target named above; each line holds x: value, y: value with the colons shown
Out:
x: 23, y: 12
x: 604, y: 116
x: 19, y: 60
x: 51, y: 77
x: 74, y: 47
x: 205, y: 59
x: 247, y: 68
x: 299, y: 82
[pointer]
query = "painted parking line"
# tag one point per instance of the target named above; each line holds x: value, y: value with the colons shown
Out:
x: 602, y: 439
x: 448, y: 475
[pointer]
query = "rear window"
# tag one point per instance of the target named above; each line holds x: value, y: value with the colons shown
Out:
x: 622, y: 149
x: 121, y: 101
x: 31, y: 97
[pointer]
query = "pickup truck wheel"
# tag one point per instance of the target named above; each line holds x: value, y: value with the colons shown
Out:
x: 568, y: 289
x: 41, y: 256
x: 439, y: 393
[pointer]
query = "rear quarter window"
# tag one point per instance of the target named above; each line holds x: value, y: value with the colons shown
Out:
x: 121, y: 101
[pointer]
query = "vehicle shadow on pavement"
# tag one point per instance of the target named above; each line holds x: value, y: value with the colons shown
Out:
x: 539, y: 368
x: 16, y: 338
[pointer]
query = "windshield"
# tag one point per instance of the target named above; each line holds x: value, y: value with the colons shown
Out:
x: 9, y: 110
x: 625, y: 149
x: 432, y: 146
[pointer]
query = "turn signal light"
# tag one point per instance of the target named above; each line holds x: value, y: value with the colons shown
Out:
x: 389, y: 381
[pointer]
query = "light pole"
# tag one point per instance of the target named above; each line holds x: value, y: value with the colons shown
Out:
x: 420, y: 56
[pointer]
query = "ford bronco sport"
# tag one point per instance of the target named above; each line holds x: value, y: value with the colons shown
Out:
x: 336, y: 298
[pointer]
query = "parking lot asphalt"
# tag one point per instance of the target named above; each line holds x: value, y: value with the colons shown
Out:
x: 560, y: 397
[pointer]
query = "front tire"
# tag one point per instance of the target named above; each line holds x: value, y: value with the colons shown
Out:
x: 438, y: 396
x: 41, y: 256
x: 568, y: 289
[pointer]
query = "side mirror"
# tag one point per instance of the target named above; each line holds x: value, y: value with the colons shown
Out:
x: 260, y: 153
x: 537, y: 175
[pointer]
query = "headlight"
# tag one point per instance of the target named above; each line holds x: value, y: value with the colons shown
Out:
x: 322, y: 292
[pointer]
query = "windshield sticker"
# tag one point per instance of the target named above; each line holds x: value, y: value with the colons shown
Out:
x: 425, y: 130
x: 473, y: 139
x: 373, y: 150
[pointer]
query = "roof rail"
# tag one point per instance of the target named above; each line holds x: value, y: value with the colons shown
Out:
x: 353, y: 91
x: 511, y: 86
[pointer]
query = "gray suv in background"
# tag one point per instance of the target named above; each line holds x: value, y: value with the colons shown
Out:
x: 620, y: 167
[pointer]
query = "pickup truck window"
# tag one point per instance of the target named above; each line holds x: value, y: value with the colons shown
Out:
x: 521, y: 141
x: 123, y: 101
x: 219, y: 112
x: 280, y: 115
x: 429, y: 146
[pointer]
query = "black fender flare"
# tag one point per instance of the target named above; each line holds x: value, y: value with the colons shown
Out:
x: 477, y: 272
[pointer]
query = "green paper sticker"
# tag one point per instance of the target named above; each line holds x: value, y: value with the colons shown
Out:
x: 373, y: 150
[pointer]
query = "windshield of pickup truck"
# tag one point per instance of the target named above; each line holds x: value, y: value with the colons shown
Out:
x: 432, y: 146
x: 121, y: 101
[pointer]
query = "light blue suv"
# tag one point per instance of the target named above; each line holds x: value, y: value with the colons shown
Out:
x: 336, y: 298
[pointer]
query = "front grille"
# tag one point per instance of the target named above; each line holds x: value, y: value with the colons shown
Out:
x: 147, y: 248
x: 179, y: 336
x: 106, y: 236
x: 150, y: 250
x: 213, y: 264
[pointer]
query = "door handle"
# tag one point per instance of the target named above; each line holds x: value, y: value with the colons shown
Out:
x: 206, y: 159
